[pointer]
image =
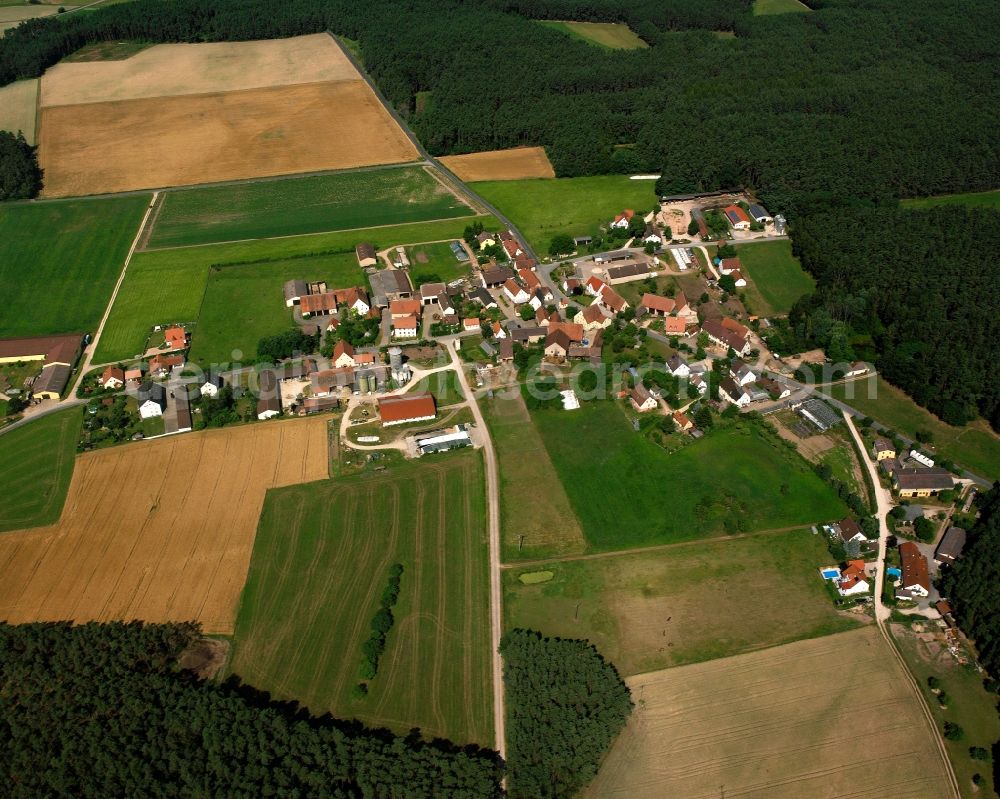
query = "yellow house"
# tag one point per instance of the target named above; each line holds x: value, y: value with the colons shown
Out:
x: 883, y: 449
x: 922, y: 482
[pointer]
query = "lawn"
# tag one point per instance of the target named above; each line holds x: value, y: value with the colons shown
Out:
x: 294, y: 206
x: 629, y: 492
x: 970, y: 705
x: 536, y: 518
x: 435, y: 263
x: 607, y: 35
x: 70, y: 252
x: 974, y: 446
x: 775, y: 278
x: 694, y: 602
x: 36, y: 464
x: 244, y: 303
x: 978, y: 199
x: 168, y: 285
x: 764, y: 7
x: 542, y: 208
x: 319, y: 565
x: 443, y: 385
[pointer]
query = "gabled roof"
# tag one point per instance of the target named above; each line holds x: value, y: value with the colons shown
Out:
x: 294, y: 289
x: 113, y: 372
x: 612, y: 299
x: 593, y: 313
x: 735, y: 214
x: 849, y: 529
x: 430, y: 291
x: 406, y: 406
x: 674, y: 325
x: 595, y: 284
x: 732, y: 389
x: 914, y: 566
x: 316, y: 303
x: 952, y: 544
x: 404, y: 307
x: 917, y: 478
x: 654, y: 302
x: 571, y: 329
x: 640, y: 394
x: 729, y: 264
x: 736, y: 327
x: 405, y: 323
x: 558, y: 338
x: 342, y: 348
x: 513, y: 288
x: 675, y: 362
x: 364, y: 251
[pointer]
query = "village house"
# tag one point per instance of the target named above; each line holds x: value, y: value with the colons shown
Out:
x: 652, y: 236
x: 366, y: 254
x: 405, y: 326
x: 699, y: 382
x: 741, y: 372
x: 591, y: 352
x: 674, y: 326
x: 677, y: 366
x: 135, y: 373
x: 399, y: 309
x: 515, y: 293
x: 211, y: 386
x: 734, y: 392
x: 483, y: 297
x: 852, y: 580
x: 611, y: 301
x: 951, y: 546
x: 495, y: 276
x: 406, y: 408
x: 389, y: 285
x: 850, y: 531
x: 655, y: 305
x: 738, y: 280
x: 506, y: 351
x: 176, y: 338
x: 724, y: 336
x: 151, y: 399
x: 294, y: 291
x: 429, y: 292
x: 917, y: 481
x: 915, y: 580
x: 498, y: 331
x: 355, y: 298
x: 775, y: 390
x: 621, y: 222
x: 471, y: 324
x: 883, y: 449
x: 268, y: 406
x: 542, y: 316
x: 592, y: 318
x: 327, y: 381
x: 343, y: 355
x: 113, y: 377
x: 682, y: 421
x: 528, y: 335
x: 571, y: 284
x: 594, y: 286
x: 161, y: 365
x: 729, y: 265
x: 322, y: 304
x: 486, y: 239
x: 557, y: 344
x: 736, y: 217
x: 641, y: 399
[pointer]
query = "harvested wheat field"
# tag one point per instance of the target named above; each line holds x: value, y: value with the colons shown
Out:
x: 515, y: 164
x: 184, y: 114
x: 160, y: 530
x: 171, y: 70
x: 18, y: 106
x: 830, y: 717
x: 176, y: 141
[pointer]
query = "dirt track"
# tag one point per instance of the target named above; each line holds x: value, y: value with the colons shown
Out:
x: 161, y: 530
x: 171, y: 70
x: 831, y: 717
x: 172, y: 141
x: 521, y: 162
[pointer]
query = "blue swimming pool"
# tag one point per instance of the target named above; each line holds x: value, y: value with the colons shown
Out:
x: 830, y: 574
x: 893, y: 572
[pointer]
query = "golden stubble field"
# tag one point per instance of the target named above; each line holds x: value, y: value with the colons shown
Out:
x: 175, y: 115
x: 160, y: 530
x: 829, y: 717
x: 18, y: 107
x: 516, y: 164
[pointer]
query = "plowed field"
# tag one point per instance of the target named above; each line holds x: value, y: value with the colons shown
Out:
x: 516, y: 164
x: 161, y: 530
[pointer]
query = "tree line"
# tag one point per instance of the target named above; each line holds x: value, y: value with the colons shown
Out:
x: 101, y: 710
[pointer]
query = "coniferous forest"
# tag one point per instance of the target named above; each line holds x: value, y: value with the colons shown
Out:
x: 854, y: 104
x: 100, y: 710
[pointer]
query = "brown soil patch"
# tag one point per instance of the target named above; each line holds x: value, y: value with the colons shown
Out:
x: 174, y: 141
x: 516, y: 164
x: 170, y: 70
x: 804, y: 719
x: 161, y: 530
x: 205, y: 657
x: 810, y: 447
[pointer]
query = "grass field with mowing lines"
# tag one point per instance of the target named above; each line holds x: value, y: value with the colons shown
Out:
x: 36, y: 464
x: 294, y: 206
x: 242, y: 304
x: 533, y: 503
x: 775, y: 278
x: 319, y: 565
x: 575, y: 206
x: 168, y: 285
x: 439, y: 264
x: 443, y: 385
x: 607, y: 35
x: 70, y: 253
x: 969, y: 705
x: 974, y: 446
x: 651, y: 610
x: 629, y: 492
x: 763, y: 8
x: 977, y: 199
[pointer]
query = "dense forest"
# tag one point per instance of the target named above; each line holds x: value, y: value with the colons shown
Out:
x: 100, y: 710
x: 565, y: 706
x: 973, y: 583
x: 20, y: 176
x: 914, y: 291
x: 855, y: 99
